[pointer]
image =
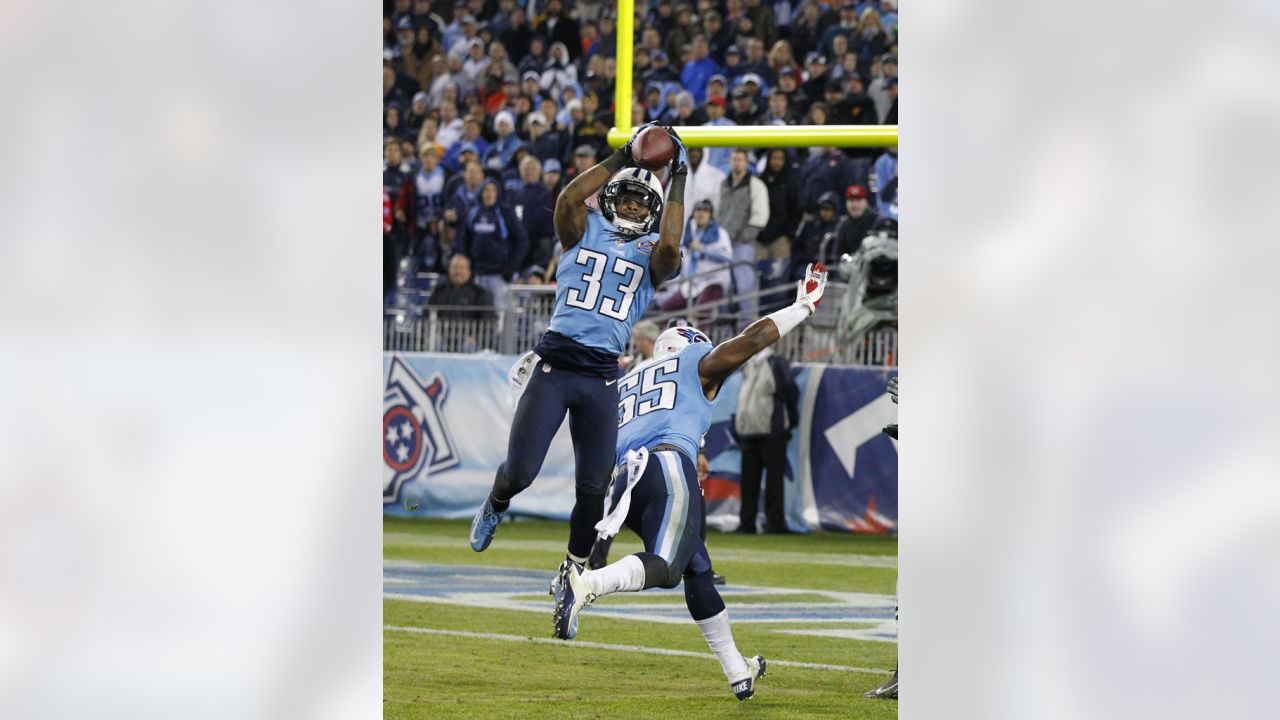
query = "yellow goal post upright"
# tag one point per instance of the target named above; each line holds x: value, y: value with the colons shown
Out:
x: 748, y: 136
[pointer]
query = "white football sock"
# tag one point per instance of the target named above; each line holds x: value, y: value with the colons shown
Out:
x: 720, y: 639
x: 625, y: 575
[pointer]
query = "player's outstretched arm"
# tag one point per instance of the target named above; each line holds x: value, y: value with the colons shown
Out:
x: 731, y: 354
x: 570, y: 215
x: 666, y: 257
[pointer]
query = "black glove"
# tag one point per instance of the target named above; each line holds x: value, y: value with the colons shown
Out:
x: 891, y: 430
x: 679, y: 163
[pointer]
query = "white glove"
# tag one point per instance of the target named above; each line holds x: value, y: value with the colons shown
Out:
x: 893, y: 390
x: 809, y: 290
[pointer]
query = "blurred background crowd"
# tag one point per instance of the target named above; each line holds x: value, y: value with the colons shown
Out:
x: 491, y: 107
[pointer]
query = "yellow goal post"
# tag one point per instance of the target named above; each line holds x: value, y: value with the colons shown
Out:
x: 753, y: 136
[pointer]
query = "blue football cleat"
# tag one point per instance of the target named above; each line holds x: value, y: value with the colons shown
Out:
x: 745, y: 689
x: 484, y: 526
x: 573, y: 595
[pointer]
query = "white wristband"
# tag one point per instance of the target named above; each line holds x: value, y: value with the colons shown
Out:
x: 789, y: 317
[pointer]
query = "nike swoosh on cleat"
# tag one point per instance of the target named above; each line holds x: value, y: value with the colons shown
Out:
x: 607, y: 383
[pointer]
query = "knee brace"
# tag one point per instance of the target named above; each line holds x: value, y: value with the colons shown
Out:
x: 657, y: 573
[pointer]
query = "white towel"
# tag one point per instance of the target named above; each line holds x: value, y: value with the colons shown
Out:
x: 520, y: 373
x: 611, y: 523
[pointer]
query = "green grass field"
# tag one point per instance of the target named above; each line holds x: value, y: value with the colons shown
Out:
x: 452, y: 659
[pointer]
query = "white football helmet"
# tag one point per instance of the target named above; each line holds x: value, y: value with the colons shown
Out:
x: 641, y: 182
x: 673, y: 340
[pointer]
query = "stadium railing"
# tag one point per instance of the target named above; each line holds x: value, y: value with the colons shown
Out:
x: 516, y: 329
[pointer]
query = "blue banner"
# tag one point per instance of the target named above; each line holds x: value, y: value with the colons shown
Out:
x: 447, y: 416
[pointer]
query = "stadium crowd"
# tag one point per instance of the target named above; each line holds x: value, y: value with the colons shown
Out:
x: 490, y: 107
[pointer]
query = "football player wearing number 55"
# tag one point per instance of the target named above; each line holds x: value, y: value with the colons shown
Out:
x: 614, y: 259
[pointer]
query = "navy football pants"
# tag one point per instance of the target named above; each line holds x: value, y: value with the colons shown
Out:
x: 666, y: 512
x: 592, y: 404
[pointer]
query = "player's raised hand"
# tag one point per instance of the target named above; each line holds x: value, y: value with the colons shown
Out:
x: 626, y: 147
x: 679, y: 163
x: 809, y: 290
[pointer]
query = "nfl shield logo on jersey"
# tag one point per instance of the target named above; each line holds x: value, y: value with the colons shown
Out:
x: 415, y: 439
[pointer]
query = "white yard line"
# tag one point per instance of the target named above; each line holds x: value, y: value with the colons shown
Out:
x: 620, y: 648
x: 768, y: 556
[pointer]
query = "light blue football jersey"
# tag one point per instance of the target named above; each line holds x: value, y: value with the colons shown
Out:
x: 662, y: 402
x: 603, y: 286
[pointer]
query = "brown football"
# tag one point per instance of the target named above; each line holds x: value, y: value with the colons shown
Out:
x: 653, y: 148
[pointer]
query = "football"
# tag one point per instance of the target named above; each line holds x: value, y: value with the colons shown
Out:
x: 653, y: 148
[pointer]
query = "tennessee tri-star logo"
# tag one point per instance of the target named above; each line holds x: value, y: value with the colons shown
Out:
x: 415, y: 439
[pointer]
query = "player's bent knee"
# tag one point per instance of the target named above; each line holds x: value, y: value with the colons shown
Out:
x: 657, y: 573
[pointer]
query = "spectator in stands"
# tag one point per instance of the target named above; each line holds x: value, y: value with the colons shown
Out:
x: 397, y: 183
x: 854, y: 225
x: 768, y: 410
x: 806, y: 32
x: 765, y: 19
x: 470, y: 138
x: 643, y: 336
x: 788, y: 84
x: 681, y: 35
x: 391, y: 125
x: 537, y: 56
x: 461, y: 291
x: 476, y: 62
x: 532, y: 205
x: 758, y: 65
x: 784, y: 204
x: 854, y: 107
x: 891, y: 115
x: 417, y: 113
x: 745, y: 109
x: 779, y: 112
x: 815, y: 83
x: 846, y: 28
x: 717, y: 87
x: 733, y: 65
x: 584, y: 158
x: 703, y: 183
x: 832, y: 171
x: 660, y: 69
x: 559, y: 72
x: 516, y: 33
x: 687, y: 112
x: 498, y: 59
x: 718, y: 36
x: 429, y: 190
x: 718, y: 156
x: 878, y: 89
x: 870, y: 40
x: 699, y: 70
x: 814, y: 228
x: 885, y: 170
x: 560, y: 28
x: 450, y: 126
x: 495, y: 242
x: 744, y: 212
x: 708, y: 253
x: 781, y: 56
x: 462, y: 193
x: 544, y: 142
x: 499, y: 154
x: 551, y: 178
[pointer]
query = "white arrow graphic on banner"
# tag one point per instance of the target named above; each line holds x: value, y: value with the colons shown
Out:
x: 850, y: 433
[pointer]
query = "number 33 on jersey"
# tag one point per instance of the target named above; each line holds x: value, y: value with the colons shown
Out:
x: 608, y: 278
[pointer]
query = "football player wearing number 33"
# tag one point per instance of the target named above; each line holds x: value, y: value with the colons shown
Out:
x: 614, y: 259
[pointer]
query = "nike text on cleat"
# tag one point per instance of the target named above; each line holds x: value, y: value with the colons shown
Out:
x: 484, y: 526
x: 574, y: 596
x: 745, y: 689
